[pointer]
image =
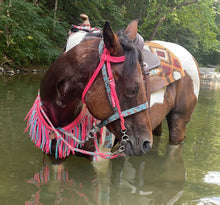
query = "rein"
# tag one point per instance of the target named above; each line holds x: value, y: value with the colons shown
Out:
x: 105, y: 66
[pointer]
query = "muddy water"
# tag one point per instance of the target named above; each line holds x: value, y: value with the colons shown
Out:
x: 187, y: 174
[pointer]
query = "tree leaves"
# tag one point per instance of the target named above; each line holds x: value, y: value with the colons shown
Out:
x: 32, y: 32
x: 27, y: 32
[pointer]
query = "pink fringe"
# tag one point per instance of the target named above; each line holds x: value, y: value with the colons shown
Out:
x: 39, y: 130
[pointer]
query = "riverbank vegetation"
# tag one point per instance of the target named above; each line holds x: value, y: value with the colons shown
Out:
x: 33, y: 32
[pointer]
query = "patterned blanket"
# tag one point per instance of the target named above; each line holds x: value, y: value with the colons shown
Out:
x: 170, y: 68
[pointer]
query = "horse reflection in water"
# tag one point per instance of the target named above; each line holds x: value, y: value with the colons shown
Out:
x: 151, y: 179
x: 61, y: 186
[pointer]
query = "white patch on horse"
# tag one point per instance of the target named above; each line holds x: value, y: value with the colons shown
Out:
x: 74, y: 39
x: 157, y: 97
x: 187, y: 61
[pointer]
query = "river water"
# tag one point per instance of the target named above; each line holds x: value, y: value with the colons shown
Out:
x: 186, y: 174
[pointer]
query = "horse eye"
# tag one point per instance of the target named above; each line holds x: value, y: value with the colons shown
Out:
x: 132, y: 91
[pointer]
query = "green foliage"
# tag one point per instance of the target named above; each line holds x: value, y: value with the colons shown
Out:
x: 200, y: 20
x: 32, y: 32
x: 188, y: 23
x: 27, y: 33
x: 98, y: 11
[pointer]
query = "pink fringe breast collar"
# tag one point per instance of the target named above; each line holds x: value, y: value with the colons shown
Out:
x: 40, y: 130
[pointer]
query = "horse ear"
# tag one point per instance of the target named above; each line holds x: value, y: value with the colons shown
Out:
x: 131, y: 29
x: 110, y: 39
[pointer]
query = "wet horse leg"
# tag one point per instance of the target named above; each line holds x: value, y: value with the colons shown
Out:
x: 177, y: 120
x: 180, y: 114
x: 177, y: 126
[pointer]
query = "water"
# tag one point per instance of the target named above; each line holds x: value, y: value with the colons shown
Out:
x: 186, y: 174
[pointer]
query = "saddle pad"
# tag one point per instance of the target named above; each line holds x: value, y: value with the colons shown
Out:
x: 170, y: 68
x: 85, y: 28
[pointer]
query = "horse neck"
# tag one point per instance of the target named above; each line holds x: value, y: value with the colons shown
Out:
x: 64, y: 115
x: 86, y: 59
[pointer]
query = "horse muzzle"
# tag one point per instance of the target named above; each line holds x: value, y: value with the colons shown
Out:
x: 137, y: 146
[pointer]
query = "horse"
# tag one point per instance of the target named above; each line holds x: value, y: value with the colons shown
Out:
x: 73, y: 79
x: 117, y: 100
x: 173, y: 99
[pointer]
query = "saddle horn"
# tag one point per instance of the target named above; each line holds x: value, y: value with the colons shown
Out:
x: 85, y: 19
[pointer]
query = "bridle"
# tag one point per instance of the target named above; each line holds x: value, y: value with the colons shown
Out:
x: 105, y: 66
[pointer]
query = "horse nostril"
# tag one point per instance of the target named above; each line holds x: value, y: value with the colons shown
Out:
x: 146, y: 146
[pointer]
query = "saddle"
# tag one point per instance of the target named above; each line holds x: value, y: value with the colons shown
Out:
x: 151, y: 61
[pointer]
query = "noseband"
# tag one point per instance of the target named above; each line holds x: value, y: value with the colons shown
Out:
x: 105, y: 66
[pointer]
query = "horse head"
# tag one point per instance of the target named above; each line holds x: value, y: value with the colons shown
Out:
x: 70, y: 76
x: 130, y: 88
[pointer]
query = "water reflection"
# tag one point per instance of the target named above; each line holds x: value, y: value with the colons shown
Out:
x: 61, y: 184
x: 151, y: 179
x: 159, y: 177
x: 211, y: 85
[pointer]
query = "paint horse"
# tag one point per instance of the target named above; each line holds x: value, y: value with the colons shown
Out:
x: 106, y: 75
x: 174, y: 93
x: 174, y: 82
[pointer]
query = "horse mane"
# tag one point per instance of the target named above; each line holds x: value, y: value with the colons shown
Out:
x: 133, y: 54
